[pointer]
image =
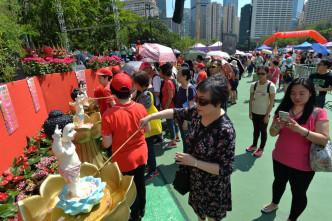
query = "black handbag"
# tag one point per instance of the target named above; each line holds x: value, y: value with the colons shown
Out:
x: 181, y: 181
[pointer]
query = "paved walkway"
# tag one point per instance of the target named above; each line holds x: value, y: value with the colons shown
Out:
x: 251, y: 180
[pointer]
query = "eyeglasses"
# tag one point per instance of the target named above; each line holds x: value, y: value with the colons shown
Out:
x: 261, y: 74
x: 201, y: 101
x: 214, y: 66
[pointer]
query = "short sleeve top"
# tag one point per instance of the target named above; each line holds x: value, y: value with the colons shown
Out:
x: 261, y: 97
x: 292, y: 149
x: 168, y: 85
x: 122, y: 121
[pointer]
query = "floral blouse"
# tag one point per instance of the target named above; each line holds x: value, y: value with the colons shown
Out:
x: 210, y: 194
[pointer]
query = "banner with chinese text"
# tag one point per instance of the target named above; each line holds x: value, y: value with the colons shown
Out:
x: 7, y: 110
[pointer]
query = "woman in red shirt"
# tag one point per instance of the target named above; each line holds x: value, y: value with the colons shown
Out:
x: 168, y: 95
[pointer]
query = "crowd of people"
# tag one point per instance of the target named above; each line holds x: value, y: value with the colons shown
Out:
x: 194, y: 96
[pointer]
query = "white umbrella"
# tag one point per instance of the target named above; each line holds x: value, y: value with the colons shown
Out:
x: 219, y: 54
x: 131, y: 67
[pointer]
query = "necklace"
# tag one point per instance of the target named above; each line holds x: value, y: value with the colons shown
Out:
x: 294, y: 115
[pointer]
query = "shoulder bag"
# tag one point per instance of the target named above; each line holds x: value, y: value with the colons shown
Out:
x: 320, y: 157
x: 155, y: 125
x: 181, y: 181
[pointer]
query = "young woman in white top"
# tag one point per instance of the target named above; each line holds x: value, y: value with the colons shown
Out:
x: 262, y: 94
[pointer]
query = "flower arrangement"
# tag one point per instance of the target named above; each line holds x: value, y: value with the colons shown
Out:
x: 35, y: 66
x: 38, y: 66
x: 61, y: 65
x: 101, y: 62
x: 26, y: 174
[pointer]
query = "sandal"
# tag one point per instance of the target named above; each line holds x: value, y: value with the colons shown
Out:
x: 267, y: 211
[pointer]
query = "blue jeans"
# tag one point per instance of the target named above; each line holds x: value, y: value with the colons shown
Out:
x: 173, y: 129
x: 184, y: 134
x: 151, y: 155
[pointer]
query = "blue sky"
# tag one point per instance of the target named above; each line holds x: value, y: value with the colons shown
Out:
x: 170, y: 9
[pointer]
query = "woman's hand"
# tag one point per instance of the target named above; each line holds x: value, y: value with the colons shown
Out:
x: 293, y: 125
x: 250, y: 115
x: 143, y: 122
x: 279, y: 124
x: 266, y: 119
x: 184, y: 159
x: 185, y: 125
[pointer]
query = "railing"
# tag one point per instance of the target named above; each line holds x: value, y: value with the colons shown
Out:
x: 303, y: 70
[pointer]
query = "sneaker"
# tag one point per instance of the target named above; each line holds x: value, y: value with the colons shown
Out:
x: 251, y: 148
x: 150, y: 176
x: 258, y: 153
x: 170, y: 145
x: 177, y: 139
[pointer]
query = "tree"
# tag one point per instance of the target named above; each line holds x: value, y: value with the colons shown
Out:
x: 11, y: 38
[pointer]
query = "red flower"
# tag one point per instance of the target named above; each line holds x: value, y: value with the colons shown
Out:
x: 4, y: 183
x: 52, y: 170
x: 18, y: 179
x: 32, y: 149
x: 40, y: 136
x: 7, y: 172
x: 21, y: 159
x: 9, y: 178
x: 3, y: 197
x: 24, y: 167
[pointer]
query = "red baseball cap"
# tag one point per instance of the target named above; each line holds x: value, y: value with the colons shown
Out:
x: 104, y: 71
x: 287, y: 55
x: 200, y: 65
x: 144, y: 65
x: 116, y: 68
x: 121, y: 82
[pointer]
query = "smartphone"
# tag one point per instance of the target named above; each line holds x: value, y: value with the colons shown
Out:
x: 284, y: 116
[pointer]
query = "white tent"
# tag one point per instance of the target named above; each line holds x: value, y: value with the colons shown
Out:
x: 217, y: 44
x: 197, y: 45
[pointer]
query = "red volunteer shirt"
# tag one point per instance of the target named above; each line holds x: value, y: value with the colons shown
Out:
x: 121, y: 121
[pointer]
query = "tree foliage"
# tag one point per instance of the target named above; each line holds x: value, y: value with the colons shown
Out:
x: 11, y: 38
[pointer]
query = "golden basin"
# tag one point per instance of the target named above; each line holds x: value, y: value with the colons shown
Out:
x: 120, y: 193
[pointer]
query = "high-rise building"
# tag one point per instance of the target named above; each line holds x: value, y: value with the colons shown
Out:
x: 144, y: 8
x: 233, y: 2
x: 317, y: 10
x: 230, y: 21
x: 302, y: 16
x: 297, y: 11
x: 213, y: 21
x: 270, y: 16
x: 162, y: 8
x: 185, y: 25
x: 245, y: 23
x: 198, y: 19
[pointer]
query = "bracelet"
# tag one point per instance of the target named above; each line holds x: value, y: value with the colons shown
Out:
x: 196, y: 162
x: 307, y: 134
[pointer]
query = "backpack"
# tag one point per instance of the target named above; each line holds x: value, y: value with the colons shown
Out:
x: 289, y: 74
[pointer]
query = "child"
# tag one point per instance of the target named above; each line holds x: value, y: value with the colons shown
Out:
x: 118, y: 124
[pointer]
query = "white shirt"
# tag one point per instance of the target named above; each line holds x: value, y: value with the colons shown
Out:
x: 261, y: 97
x: 156, y: 83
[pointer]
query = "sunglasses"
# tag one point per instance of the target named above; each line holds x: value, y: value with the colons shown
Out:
x: 261, y: 74
x: 214, y: 66
x: 201, y: 101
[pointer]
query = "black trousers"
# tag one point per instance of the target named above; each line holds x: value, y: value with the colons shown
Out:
x: 259, y: 129
x: 140, y: 201
x: 299, y: 181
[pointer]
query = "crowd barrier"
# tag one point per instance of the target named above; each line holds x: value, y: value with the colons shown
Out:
x: 53, y: 92
x: 304, y: 70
